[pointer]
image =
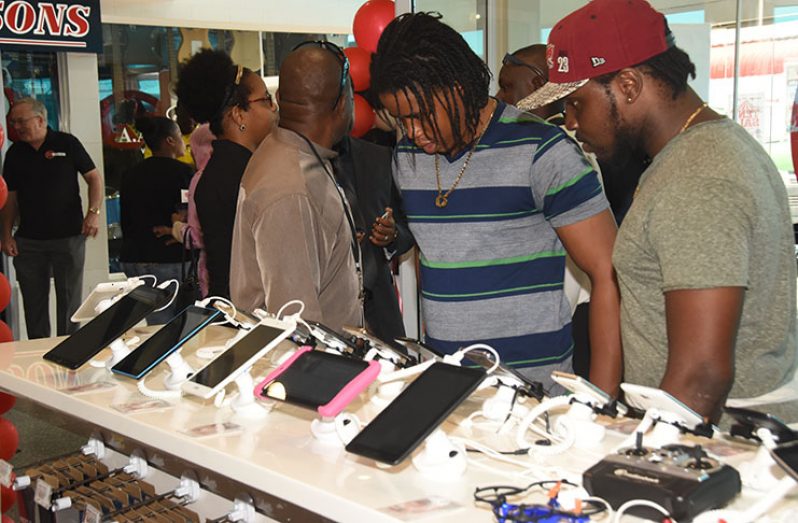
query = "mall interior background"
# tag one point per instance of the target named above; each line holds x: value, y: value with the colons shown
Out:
x: 746, y: 52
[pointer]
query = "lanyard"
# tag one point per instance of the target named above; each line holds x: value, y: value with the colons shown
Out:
x: 356, y: 253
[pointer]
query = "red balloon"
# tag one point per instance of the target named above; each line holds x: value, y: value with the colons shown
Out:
x: 7, y: 499
x: 7, y: 401
x: 3, y: 188
x: 5, y: 332
x: 364, y: 117
x: 9, y: 439
x: 370, y: 21
x: 359, y: 61
x: 5, y: 291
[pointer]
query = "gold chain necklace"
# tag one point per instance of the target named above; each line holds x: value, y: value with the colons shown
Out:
x: 442, y: 200
x: 692, y: 117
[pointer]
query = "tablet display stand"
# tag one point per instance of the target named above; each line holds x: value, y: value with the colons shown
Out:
x: 244, y: 405
x: 762, y: 473
x: 581, y: 421
x: 441, y: 458
x: 119, y: 350
x: 337, y: 431
x: 665, y: 430
x: 179, y: 371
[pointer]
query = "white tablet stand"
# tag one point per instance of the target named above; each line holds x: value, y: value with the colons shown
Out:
x: 179, y: 371
x: 581, y: 421
x: 119, y: 350
x: 244, y: 404
x: 762, y: 473
x: 337, y: 431
x: 441, y: 458
x: 665, y: 431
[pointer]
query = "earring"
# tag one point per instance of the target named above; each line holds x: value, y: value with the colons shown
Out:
x: 629, y: 100
x: 242, y: 128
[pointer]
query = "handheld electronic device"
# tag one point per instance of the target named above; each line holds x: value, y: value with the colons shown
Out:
x: 505, y: 374
x: 103, y: 296
x: 396, y: 351
x: 646, y: 398
x: 419, y: 350
x: 416, y: 412
x: 319, y: 380
x: 227, y: 366
x: 332, y: 339
x: 165, y: 341
x: 97, y: 334
x: 579, y: 385
x: 786, y: 455
x: 748, y: 421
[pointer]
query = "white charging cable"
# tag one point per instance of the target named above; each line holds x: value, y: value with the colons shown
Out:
x: 229, y: 317
x: 564, y: 430
x: 287, y: 304
x: 460, y: 354
x: 164, y: 285
x: 158, y: 394
x: 641, y: 503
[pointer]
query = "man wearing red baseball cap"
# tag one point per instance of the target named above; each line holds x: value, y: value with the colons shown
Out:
x: 705, y: 257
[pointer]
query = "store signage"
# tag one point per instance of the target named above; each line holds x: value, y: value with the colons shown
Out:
x: 68, y: 25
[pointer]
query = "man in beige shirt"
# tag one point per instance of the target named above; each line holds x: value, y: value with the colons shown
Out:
x: 294, y: 234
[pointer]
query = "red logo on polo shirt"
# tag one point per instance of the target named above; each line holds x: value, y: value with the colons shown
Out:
x: 50, y: 154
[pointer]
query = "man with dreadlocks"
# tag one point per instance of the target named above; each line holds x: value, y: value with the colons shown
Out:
x: 491, y: 195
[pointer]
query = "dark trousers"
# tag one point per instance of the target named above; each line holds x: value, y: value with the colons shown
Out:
x: 36, y: 262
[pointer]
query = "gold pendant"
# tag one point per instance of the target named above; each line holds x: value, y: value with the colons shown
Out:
x: 441, y: 201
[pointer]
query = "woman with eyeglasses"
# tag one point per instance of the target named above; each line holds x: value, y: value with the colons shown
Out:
x: 236, y: 103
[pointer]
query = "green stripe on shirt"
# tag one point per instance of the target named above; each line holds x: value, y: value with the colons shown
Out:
x: 491, y: 263
x: 572, y: 181
x: 494, y: 292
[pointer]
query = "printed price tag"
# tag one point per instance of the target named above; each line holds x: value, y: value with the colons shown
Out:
x: 92, y: 515
x: 43, y: 494
x: 5, y: 473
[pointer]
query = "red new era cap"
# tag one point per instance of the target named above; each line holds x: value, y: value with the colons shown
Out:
x: 602, y: 37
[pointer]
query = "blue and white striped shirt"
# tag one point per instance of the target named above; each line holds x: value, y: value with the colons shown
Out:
x: 492, y: 264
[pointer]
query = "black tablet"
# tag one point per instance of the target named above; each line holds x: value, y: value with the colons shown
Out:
x: 109, y: 325
x: 416, y: 412
x: 165, y: 341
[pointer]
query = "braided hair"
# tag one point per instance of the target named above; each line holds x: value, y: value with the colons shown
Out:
x: 421, y: 56
x: 209, y: 84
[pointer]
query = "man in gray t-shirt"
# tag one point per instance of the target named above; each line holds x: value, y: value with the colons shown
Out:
x: 705, y: 256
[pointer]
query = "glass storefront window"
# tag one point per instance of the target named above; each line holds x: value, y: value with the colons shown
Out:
x: 277, y: 45
x: 137, y: 71
x: 33, y: 74
x: 468, y: 17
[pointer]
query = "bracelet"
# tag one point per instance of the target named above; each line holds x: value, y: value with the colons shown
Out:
x: 94, y: 210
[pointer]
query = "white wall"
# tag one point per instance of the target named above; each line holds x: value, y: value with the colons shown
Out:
x: 81, y: 91
x: 303, y: 16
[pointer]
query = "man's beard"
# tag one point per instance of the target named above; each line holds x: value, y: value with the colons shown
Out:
x: 628, y: 153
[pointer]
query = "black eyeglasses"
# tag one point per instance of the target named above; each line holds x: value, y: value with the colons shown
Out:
x: 510, y: 59
x: 339, y: 53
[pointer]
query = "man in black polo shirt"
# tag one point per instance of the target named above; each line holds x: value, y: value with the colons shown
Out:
x: 41, y: 172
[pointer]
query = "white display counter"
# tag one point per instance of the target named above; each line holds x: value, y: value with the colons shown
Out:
x: 290, y: 475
